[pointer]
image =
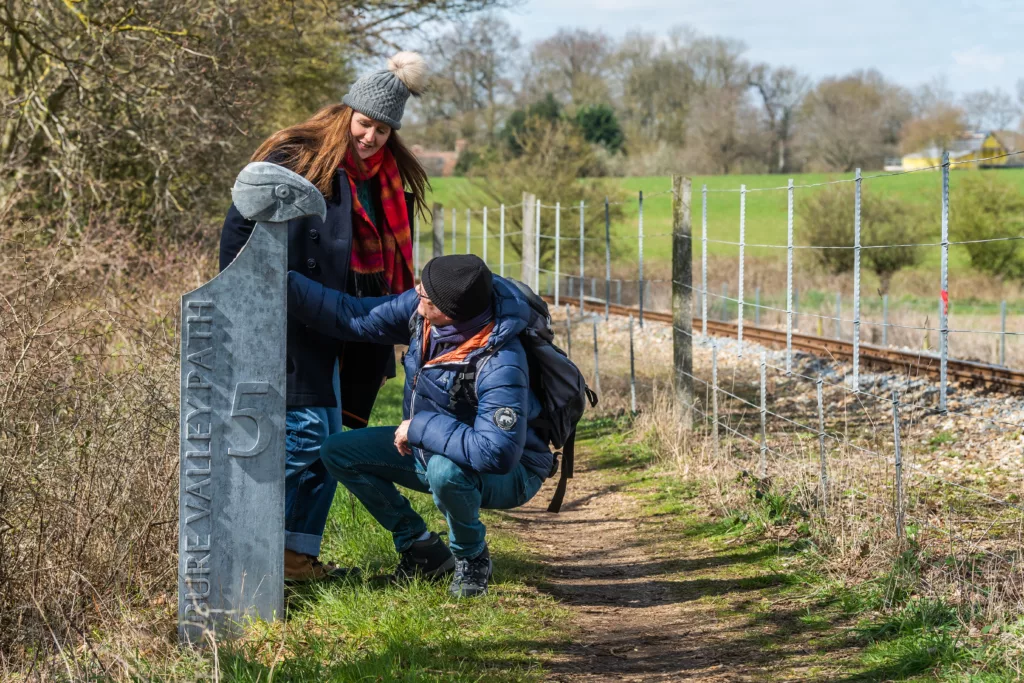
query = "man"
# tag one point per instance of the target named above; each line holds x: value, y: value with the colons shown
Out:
x: 466, y: 437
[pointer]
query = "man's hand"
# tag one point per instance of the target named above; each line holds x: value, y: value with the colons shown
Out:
x: 402, y: 438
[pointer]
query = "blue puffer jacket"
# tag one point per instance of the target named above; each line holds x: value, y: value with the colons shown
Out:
x: 483, y: 438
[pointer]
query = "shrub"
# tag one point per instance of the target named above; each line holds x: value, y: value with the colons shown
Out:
x: 599, y: 125
x: 986, y: 207
x: 826, y: 220
x: 88, y: 441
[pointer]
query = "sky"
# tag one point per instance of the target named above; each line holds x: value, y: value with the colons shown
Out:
x: 973, y: 45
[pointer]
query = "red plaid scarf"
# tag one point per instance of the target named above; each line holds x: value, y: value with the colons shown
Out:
x: 385, y: 251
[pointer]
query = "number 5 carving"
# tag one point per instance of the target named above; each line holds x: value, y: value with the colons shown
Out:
x: 264, y: 429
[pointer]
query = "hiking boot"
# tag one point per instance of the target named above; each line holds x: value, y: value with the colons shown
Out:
x: 471, y: 576
x: 302, y: 568
x: 428, y: 559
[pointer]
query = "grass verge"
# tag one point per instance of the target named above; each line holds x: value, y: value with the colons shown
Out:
x: 759, y: 562
x: 368, y: 630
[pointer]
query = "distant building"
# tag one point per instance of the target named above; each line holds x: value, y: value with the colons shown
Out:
x: 972, y: 147
x: 437, y: 162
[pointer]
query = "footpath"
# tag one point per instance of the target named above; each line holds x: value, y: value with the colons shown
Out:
x: 658, y: 593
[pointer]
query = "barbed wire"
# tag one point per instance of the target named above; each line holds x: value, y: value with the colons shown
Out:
x: 865, y: 393
x: 843, y: 440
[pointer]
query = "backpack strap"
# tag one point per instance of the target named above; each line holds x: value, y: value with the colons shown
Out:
x: 568, y: 456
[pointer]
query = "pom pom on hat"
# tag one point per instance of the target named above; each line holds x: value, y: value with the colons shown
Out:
x: 411, y: 69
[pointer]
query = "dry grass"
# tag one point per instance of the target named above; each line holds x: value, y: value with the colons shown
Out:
x: 964, y: 535
x: 88, y: 449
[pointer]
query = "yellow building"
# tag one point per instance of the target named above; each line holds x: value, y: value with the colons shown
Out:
x: 973, y: 147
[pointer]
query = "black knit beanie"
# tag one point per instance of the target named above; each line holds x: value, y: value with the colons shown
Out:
x: 459, y: 285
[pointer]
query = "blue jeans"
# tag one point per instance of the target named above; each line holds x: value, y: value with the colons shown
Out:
x: 308, y: 486
x: 368, y: 464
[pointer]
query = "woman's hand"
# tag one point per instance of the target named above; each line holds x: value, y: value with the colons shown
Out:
x: 402, y: 438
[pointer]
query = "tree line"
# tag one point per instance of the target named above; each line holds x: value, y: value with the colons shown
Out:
x: 659, y: 103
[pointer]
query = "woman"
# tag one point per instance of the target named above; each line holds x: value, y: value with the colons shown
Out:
x: 352, y: 153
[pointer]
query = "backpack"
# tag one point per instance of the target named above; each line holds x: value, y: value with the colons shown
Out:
x: 556, y: 382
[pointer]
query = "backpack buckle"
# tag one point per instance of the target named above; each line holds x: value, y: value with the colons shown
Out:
x: 554, y: 463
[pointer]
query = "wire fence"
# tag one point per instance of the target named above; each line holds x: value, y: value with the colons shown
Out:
x: 872, y: 456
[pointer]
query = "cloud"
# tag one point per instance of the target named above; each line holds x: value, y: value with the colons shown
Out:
x: 978, y: 58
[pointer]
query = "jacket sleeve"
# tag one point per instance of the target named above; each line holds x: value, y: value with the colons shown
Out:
x: 483, y: 447
x: 380, y: 320
x: 233, y: 236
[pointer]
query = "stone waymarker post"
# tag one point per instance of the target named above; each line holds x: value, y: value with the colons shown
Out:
x: 231, y: 497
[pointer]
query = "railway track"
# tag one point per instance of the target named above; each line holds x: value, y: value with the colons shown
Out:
x: 871, y: 356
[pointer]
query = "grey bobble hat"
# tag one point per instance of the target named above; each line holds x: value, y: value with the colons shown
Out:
x: 381, y: 95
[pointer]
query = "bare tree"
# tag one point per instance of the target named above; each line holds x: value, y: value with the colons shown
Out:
x: 938, y: 129
x: 782, y: 92
x: 853, y: 121
x: 472, y: 78
x: 572, y: 65
x: 641, y: 67
x: 724, y: 134
x: 990, y: 109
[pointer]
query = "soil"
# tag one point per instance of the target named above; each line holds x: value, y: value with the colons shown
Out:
x: 643, y: 614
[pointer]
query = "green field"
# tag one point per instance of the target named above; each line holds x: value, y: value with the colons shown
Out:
x: 765, y: 211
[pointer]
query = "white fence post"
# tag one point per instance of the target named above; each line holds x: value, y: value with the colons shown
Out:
x: 789, y: 278
x: 856, y: 285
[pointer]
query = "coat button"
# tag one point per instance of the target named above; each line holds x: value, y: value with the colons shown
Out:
x: 311, y: 263
x: 314, y: 234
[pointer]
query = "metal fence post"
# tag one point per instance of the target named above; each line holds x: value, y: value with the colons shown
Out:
x: 898, y: 503
x: 789, y: 278
x: 1002, y: 333
x: 739, y: 294
x: 764, y: 418
x: 704, y: 262
x: 558, y: 250
x: 944, y: 287
x: 682, y: 299
x: 757, y: 306
x: 597, y: 366
x: 536, y: 240
x: 885, y: 320
x: 501, y: 241
x: 632, y: 370
x: 607, y: 260
x: 640, y: 255
x: 438, y: 230
x: 618, y: 292
x: 469, y: 234
x: 725, y: 302
x: 483, y: 234
x: 528, y: 266
x: 714, y: 394
x: 581, y: 256
x: 823, y: 475
x: 856, y: 284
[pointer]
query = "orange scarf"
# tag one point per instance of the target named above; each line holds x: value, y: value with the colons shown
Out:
x: 383, y: 252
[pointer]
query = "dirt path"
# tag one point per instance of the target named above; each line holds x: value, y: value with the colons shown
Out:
x: 643, y: 614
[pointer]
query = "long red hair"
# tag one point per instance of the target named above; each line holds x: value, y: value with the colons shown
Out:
x: 316, y: 147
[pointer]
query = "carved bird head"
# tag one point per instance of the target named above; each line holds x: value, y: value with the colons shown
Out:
x: 269, y: 193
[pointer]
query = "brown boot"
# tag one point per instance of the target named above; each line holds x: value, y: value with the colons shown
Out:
x: 300, y: 568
